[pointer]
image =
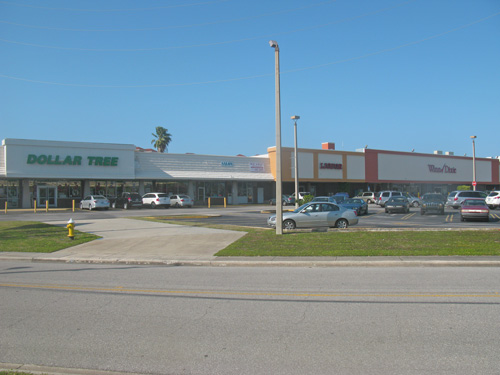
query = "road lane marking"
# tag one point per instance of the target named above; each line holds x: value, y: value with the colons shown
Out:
x: 408, y: 216
x: 124, y: 290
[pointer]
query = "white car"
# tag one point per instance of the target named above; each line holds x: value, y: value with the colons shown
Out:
x: 156, y: 200
x: 181, y: 201
x: 493, y: 199
x: 92, y: 202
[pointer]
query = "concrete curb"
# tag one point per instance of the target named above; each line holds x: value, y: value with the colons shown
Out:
x: 276, y: 262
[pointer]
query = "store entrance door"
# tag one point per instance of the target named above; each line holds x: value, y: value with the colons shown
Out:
x: 46, y: 193
x: 201, y: 194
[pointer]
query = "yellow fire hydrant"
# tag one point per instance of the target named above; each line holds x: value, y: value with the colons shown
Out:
x: 71, y: 229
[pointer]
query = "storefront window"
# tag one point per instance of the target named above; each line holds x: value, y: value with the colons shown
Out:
x: 9, y: 192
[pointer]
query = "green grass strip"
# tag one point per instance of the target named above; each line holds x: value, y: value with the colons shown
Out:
x: 339, y: 243
x: 36, y: 237
x: 265, y: 242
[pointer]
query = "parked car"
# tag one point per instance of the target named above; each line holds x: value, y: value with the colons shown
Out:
x: 284, y: 200
x: 414, y: 200
x: 432, y: 202
x: 357, y: 204
x: 367, y: 196
x: 493, y: 199
x: 302, y: 194
x: 127, y: 200
x: 386, y: 195
x: 330, y: 199
x: 397, y: 204
x: 316, y: 214
x: 156, y: 200
x: 93, y: 202
x: 455, y: 198
x: 181, y: 201
x: 474, y: 208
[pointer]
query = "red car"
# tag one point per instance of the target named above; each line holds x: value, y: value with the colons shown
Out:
x: 474, y: 209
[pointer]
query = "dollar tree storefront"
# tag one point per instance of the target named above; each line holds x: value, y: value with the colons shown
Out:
x: 58, y: 173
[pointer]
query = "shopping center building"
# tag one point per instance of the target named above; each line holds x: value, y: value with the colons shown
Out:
x: 63, y: 172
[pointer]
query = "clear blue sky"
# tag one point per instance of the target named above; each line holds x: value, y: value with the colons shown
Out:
x: 390, y: 74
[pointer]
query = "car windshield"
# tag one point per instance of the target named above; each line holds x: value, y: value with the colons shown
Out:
x: 99, y: 197
x: 162, y: 195
x: 493, y: 194
x: 452, y: 194
x: 398, y: 199
x: 300, y: 208
x: 354, y: 201
x: 433, y: 197
x: 474, y: 202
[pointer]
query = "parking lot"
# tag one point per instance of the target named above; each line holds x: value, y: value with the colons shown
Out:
x: 256, y: 216
x: 376, y: 218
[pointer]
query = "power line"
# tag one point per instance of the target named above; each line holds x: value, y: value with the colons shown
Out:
x: 261, y: 75
x: 274, y: 35
x: 112, y: 10
x: 172, y: 27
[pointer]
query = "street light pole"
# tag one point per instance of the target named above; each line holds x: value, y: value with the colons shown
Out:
x: 295, y: 118
x: 474, y: 182
x: 279, y: 192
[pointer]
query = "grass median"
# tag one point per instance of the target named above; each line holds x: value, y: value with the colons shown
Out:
x: 36, y: 237
x: 265, y: 242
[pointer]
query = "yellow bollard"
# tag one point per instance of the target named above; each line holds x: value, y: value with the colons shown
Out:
x: 34, y: 207
x: 224, y: 202
x: 46, y: 206
x: 208, y: 202
x: 73, y: 205
x: 5, y: 207
x: 71, y: 229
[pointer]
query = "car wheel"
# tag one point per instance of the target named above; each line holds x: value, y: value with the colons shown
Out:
x: 81, y: 206
x: 289, y: 224
x: 341, y: 223
x: 283, y: 203
x: 153, y: 205
x: 125, y: 206
x: 386, y: 211
x: 415, y: 204
x: 90, y: 207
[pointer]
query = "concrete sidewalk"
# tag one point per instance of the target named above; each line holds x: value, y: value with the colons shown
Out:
x: 129, y: 241
x: 138, y: 241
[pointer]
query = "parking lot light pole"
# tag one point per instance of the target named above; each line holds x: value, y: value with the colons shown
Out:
x: 474, y: 182
x: 295, y: 118
x: 279, y: 193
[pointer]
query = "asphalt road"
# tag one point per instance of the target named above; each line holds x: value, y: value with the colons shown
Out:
x: 208, y: 320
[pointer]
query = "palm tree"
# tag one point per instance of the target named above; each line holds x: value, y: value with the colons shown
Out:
x: 162, y: 139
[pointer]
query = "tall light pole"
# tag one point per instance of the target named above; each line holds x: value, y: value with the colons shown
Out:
x: 279, y: 192
x: 474, y: 182
x: 295, y: 118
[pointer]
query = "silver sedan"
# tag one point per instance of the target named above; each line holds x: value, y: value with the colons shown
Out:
x: 317, y: 214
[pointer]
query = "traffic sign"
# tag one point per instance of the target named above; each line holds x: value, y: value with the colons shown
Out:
x: 474, y: 183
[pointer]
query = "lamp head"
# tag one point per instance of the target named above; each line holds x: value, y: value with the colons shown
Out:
x: 473, y: 137
x: 273, y: 43
x: 295, y: 117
